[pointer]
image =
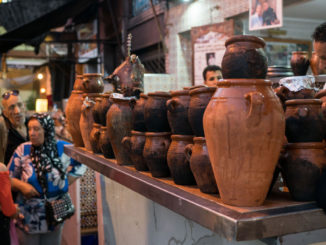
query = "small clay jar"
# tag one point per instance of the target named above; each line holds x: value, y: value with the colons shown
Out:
x: 155, y: 112
x: 78, y: 85
x: 199, y: 99
x: 105, y: 144
x: 138, y: 114
x: 73, y: 112
x: 96, y: 109
x: 93, y: 83
x: 304, y: 122
x: 95, y: 138
x: 302, y: 168
x: 135, y: 145
x: 200, y: 165
x: 119, y: 125
x: 177, y: 161
x: 178, y: 107
x: 244, y: 57
x: 155, y: 152
x: 104, y: 106
x: 299, y: 63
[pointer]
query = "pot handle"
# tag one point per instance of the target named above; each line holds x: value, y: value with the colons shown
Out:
x: 302, y: 111
x: 256, y: 100
x: 188, y: 151
x: 171, y: 105
x: 126, y: 143
x: 86, y: 83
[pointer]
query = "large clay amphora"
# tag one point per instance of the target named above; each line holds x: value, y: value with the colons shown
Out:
x: 93, y: 83
x: 138, y: 114
x: 299, y: 62
x: 178, y: 107
x: 244, y: 126
x: 73, y: 112
x: 119, y: 125
x: 78, y: 84
x: 244, y: 57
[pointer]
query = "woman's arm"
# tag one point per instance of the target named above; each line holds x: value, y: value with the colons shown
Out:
x: 26, y: 189
x: 7, y: 204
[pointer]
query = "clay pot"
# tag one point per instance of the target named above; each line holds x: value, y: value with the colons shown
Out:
x: 86, y: 118
x: 135, y: 145
x: 314, y: 63
x: 244, y: 126
x: 299, y: 63
x: 302, y: 169
x: 304, y: 122
x: 96, y: 110
x: 78, y: 85
x: 95, y: 138
x: 199, y: 99
x: 155, y: 152
x: 104, y: 106
x: 200, y: 165
x: 244, y: 57
x: 177, y: 161
x: 138, y: 114
x: 119, y: 125
x: 73, y: 112
x: 93, y: 83
x: 105, y: 144
x: 155, y: 112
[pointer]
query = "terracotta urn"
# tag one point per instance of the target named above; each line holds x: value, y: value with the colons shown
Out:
x: 95, y: 138
x: 96, y: 109
x: 304, y: 121
x: 177, y: 161
x: 299, y: 62
x: 93, y: 83
x: 244, y: 57
x: 155, y: 112
x: 200, y: 165
x: 86, y: 118
x: 119, y: 125
x: 135, y: 145
x: 244, y: 126
x: 73, y: 112
x: 104, y: 106
x: 155, y: 153
x: 178, y: 107
x: 105, y: 144
x: 138, y: 114
x: 302, y: 169
x: 199, y: 99
x: 78, y: 84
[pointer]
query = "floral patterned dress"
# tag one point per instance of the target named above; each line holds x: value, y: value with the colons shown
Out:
x: 33, y: 209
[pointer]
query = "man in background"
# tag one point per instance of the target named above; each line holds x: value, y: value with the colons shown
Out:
x: 269, y: 15
x: 319, y: 37
x: 211, y: 75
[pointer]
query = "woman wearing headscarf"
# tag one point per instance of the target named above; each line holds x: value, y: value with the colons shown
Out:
x: 37, y: 167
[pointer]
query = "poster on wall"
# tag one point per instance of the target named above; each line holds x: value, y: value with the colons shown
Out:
x: 209, y: 46
x: 265, y: 14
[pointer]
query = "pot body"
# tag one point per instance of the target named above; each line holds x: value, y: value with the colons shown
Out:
x: 138, y: 114
x: 200, y: 165
x: 93, y: 83
x: 96, y: 110
x: 78, y: 84
x: 244, y: 58
x: 105, y: 144
x: 244, y: 126
x: 73, y: 112
x: 104, y: 107
x: 95, y: 138
x: 300, y: 63
x: 155, y: 153
x: 177, y: 161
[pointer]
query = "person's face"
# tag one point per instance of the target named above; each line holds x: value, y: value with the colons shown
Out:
x: 36, y: 132
x: 14, y: 110
x: 212, y: 78
x: 259, y: 10
x: 320, y: 49
x: 265, y: 6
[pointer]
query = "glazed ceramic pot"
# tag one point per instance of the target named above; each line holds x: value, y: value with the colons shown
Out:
x: 178, y: 107
x: 93, y: 83
x: 96, y: 109
x: 78, y: 85
x: 119, y: 125
x: 135, y: 145
x: 95, y: 138
x: 73, y: 112
x: 244, y: 126
x: 302, y: 168
x: 200, y: 165
x: 155, y: 152
x: 104, y: 106
x: 86, y: 118
x: 299, y: 62
x: 105, y: 144
x: 155, y: 112
x: 199, y: 99
x: 304, y: 122
x: 138, y: 114
x: 177, y: 161
x: 244, y: 57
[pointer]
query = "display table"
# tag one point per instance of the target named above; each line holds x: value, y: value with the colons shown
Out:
x: 278, y: 216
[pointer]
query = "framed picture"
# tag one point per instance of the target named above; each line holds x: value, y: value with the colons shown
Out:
x: 265, y: 14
